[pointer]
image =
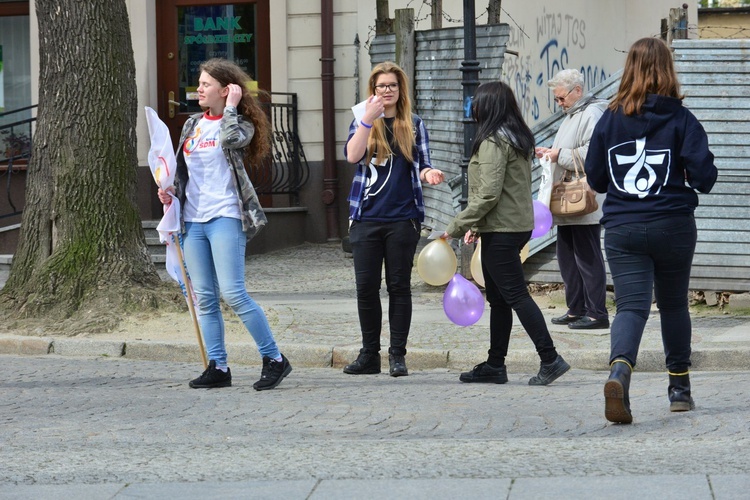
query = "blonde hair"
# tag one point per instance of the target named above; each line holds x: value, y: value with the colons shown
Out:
x: 403, y: 128
x: 649, y: 69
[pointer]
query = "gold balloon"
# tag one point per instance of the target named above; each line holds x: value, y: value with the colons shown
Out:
x: 524, y: 253
x: 476, y: 264
x: 437, y: 263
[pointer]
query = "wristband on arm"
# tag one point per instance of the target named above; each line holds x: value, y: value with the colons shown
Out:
x: 365, y: 124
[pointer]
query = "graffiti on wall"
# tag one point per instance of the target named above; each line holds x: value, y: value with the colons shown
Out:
x: 559, y: 38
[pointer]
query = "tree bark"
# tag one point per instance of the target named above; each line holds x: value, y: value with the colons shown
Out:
x: 81, y: 243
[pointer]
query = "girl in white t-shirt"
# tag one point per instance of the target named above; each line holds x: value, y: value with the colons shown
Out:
x: 220, y: 212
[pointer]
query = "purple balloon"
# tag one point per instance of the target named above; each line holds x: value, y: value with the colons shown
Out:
x: 463, y: 302
x: 542, y: 219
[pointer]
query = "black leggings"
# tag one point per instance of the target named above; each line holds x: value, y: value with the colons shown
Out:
x: 507, y: 292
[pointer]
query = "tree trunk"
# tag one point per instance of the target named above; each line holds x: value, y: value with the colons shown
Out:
x: 81, y: 243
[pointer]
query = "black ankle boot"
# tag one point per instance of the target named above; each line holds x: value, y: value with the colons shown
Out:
x: 367, y: 363
x: 679, y: 392
x: 616, y: 399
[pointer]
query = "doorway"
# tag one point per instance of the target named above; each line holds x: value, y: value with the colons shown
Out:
x: 192, y: 31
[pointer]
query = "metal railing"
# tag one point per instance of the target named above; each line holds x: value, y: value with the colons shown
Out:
x: 288, y: 171
x: 15, y: 150
x: 285, y: 173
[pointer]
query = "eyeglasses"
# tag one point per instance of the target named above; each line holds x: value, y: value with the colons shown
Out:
x: 382, y: 88
x: 562, y: 98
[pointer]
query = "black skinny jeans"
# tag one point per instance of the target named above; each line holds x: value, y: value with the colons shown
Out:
x: 645, y: 258
x: 374, y: 243
x: 507, y: 292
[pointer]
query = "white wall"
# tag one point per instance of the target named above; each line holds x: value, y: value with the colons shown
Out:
x: 142, y: 15
x: 591, y: 35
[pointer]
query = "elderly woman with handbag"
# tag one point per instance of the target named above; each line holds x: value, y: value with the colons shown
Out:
x: 579, y: 253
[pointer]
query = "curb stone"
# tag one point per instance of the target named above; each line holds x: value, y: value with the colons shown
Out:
x: 313, y: 356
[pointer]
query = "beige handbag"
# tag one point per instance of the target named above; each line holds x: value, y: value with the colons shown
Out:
x: 573, y: 196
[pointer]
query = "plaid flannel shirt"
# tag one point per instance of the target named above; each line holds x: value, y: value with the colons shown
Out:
x: 421, y: 161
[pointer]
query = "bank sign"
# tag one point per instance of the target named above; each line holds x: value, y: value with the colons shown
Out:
x: 209, y: 30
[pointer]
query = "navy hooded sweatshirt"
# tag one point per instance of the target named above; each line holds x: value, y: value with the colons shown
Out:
x: 649, y: 164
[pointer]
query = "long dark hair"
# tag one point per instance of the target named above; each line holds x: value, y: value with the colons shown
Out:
x: 494, y: 108
x: 226, y: 72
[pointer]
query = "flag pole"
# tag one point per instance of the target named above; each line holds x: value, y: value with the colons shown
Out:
x: 191, y: 307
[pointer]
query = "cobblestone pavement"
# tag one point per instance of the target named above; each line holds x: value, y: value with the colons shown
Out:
x: 69, y: 420
x: 122, y: 423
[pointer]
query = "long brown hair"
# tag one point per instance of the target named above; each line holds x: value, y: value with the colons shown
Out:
x: 403, y: 128
x: 226, y: 72
x: 649, y: 69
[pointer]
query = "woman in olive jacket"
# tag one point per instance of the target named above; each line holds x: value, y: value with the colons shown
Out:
x: 500, y: 211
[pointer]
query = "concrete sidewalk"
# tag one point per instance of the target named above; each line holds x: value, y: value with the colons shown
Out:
x: 308, y: 295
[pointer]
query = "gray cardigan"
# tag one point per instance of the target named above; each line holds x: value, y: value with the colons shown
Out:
x: 575, y: 133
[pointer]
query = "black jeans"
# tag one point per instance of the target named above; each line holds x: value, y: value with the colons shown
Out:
x: 374, y: 243
x: 579, y: 255
x: 646, y: 258
x: 507, y: 292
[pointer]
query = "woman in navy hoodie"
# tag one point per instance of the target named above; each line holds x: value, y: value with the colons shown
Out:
x: 649, y: 154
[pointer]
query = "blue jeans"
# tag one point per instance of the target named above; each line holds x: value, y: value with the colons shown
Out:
x: 215, y: 258
x: 507, y: 291
x: 392, y: 243
x: 652, y: 257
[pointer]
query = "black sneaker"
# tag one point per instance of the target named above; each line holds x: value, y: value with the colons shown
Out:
x: 212, y: 377
x: 484, y: 372
x: 367, y: 363
x: 273, y: 373
x: 397, y: 366
x: 549, y: 372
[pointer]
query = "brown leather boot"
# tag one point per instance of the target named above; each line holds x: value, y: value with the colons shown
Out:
x: 616, y: 398
x: 679, y: 392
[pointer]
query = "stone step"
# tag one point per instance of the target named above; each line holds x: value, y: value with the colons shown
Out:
x: 5, y: 260
x: 156, y: 249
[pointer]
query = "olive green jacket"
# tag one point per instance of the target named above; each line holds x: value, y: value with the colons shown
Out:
x: 499, y: 191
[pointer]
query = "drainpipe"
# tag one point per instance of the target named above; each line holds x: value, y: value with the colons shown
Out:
x: 330, y: 177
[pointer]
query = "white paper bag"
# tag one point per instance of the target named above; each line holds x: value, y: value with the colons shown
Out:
x: 545, y: 186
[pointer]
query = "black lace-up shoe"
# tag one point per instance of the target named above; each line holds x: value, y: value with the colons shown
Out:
x: 565, y: 319
x: 367, y: 363
x: 397, y: 366
x: 212, y: 377
x: 587, y: 323
x: 484, y: 372
x: 273, y: 373
x: 549, y: 372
